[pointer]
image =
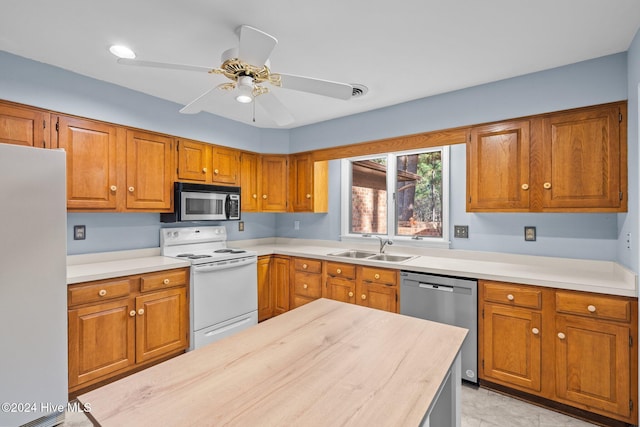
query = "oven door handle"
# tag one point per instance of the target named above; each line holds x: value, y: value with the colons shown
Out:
x: 223, y: 265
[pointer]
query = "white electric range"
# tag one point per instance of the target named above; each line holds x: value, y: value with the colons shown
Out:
x: 224, y: 281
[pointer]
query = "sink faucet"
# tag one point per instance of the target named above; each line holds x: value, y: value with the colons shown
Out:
x: 383, y: 243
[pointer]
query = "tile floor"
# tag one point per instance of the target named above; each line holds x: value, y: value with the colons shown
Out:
x: 480, y: 408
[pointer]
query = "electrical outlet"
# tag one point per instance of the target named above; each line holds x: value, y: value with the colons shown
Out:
x: 629, y: 241
x: 240, y: 225
x: 79, y: 232
x: 296, y: 225
x: 461, y: 231
x: 529, y: 234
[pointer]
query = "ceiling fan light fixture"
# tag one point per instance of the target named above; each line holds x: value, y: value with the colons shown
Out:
x: 245, y: 90
x: 122, y: 51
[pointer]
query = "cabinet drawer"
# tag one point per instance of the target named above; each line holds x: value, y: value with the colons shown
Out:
x: 513, y: 295
x: 308, y: 284
x: 379, y: 275
x: 336, y: 269
x: 308, y: 265
x: 593, y: 305
x: 163, y: 279
x: 96, y: 292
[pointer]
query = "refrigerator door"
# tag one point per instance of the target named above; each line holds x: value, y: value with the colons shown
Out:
x: 33, y: 315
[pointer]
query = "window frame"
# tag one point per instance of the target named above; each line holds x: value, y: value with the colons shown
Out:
x: 392, y: 164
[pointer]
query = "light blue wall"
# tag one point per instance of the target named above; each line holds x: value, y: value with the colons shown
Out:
x: 578, y: 235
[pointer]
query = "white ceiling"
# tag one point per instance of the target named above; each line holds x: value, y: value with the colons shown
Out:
x: 401, y: 50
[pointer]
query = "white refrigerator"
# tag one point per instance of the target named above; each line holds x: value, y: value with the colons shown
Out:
x: 33, y: 304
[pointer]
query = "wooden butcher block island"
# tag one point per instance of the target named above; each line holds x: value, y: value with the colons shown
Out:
x: 326, y: 363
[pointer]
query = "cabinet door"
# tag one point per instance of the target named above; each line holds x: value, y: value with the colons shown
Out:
x: 265, y: 294
x: 24, y: 126
x: 226, y: 166
x: 512, y: 346
x: 91, y: 162
x: 498, y: 167
x: 101, y: 340
x: 149, y: 171
x: 162, y: 320
x: 382, y: 297
x: 341, y: 289
x: 581, y: 159
x: 280, y: 284
x: 308, y: 183
x: 274, y: 184
x: 593, y: 364
x: 193, y: 161
x: 250, y: 182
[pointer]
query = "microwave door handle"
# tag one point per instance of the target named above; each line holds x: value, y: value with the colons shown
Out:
x: 227, y: 206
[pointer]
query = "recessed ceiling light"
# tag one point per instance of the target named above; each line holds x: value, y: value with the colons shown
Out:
x: 122, y: 51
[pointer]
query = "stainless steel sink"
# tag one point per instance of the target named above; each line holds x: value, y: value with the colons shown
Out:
x: 353, y: 253
x: 390, y: 258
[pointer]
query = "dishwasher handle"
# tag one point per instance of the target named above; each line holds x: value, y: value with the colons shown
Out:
x: 441, y: 288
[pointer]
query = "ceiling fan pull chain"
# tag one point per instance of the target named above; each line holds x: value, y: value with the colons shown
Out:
x: 254, y: 110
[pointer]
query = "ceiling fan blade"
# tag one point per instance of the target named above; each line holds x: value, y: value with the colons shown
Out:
x: 275, y: 109
x: 154, y: 64
x: 196, y: 105
x: 255, y: 46
x: 317, y: 86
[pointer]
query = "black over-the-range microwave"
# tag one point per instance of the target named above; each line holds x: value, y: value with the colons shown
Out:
x: 201, y: 202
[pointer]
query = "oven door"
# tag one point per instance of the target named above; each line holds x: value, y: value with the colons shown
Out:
x: 196, y: 206
x: 221, y: 292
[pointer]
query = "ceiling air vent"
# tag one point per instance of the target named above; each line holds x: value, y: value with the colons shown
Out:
x: 358, y: 90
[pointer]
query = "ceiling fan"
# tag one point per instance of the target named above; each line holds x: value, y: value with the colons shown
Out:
x: 247, y: 66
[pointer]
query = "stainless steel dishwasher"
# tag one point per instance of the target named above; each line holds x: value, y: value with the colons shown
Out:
x: 449, y: 300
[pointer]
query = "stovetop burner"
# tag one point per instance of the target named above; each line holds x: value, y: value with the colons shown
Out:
x: 192, y: 256
x: 222, y: 251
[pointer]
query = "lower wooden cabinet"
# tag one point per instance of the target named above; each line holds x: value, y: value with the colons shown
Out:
x: 341, y: 282
x: 575, y: 348
x: 265, y: 293
x: 306, y: 281
x: 118, y: 326
x: 378, y: 288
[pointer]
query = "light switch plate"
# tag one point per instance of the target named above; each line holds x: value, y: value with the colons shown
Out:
x: 530, y: 234
x: 240, y: 225
x: 461, y: 231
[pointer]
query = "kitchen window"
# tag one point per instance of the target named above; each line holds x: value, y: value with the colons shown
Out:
x: 403, y: 196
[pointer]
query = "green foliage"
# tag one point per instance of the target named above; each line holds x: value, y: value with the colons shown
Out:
x: 428, y: 196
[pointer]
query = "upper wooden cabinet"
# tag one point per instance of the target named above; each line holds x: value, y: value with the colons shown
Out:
x: 308, y: 182
x: 91, y: 147
x: 572, y: 161
x: 193, y: 161
x: 149, y: 171
x: 24, y: 126
x: 250, y: 182
x: 226, y: 166
x: 274, y: 176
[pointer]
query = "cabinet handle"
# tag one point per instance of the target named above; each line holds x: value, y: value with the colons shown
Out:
x: 363, y: 296
x: 304, y: 266
x: 591, y: 308
x: 535, y: 331
x: 339, y: 271
x: 132, y: 313
x: 547, y: 185
x: 113, y: 188
x: 376, y: 276
x: 102, y: 292
x: 525, y: 186
x: 350, y: 294
x: 216, y: 171
x: 561, y: 335
x: 166, y: 281
x: 305, y: 286
x: 510, y: 297
x: 308, y: 196
x: 264, y: 196
x: 204, y: 170
x: 141, y: 311
x: 131, y: 189
x: 255, y: 196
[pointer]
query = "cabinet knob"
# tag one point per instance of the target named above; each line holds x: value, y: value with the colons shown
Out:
x: 166, y: 281
x: 204, y: 170
x: 113, y: 188
x: 525, y: 186
x: 547, y: 185
x: 304, y: 266
x: 339, y: 270
x: 350, y: 294
x: 132, y: 313
x: 305, y: 286
x: 363, y: 296
x: 141, y: 311
x: 510, y: 297
x: 255, y: 196
x: 102, y: 292
x: 535, y: 331
x: 591, y: 308
x: 561, y: 335
x: 308, y: 196
x: 131, y: 189
x: 216, y: 171
x: 264, y: 196
x: 376, y: 276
